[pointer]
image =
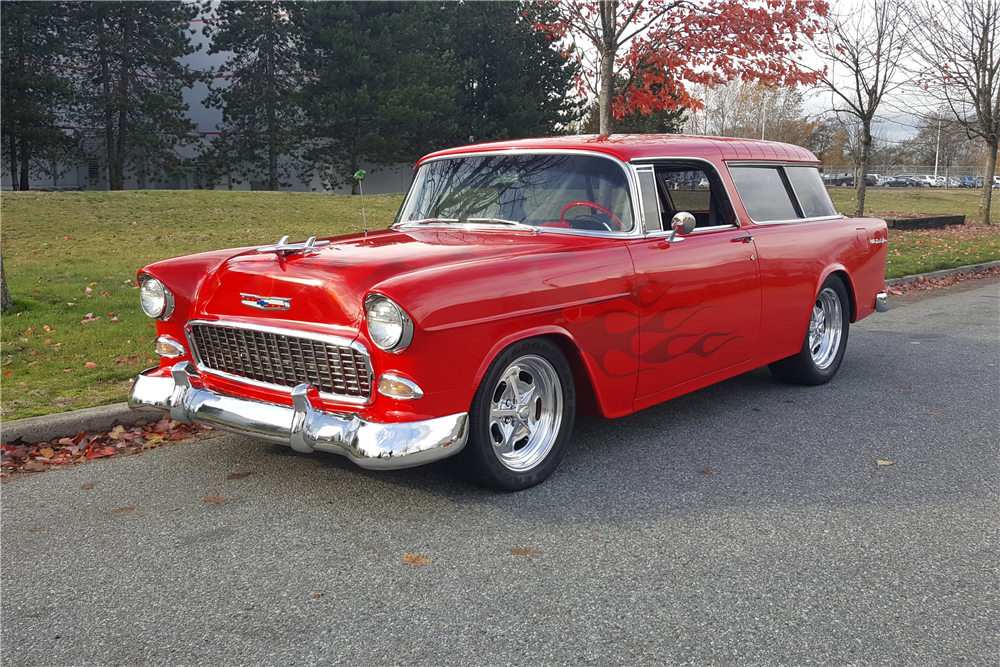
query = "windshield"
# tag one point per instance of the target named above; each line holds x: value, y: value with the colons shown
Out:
x: 575, y: 191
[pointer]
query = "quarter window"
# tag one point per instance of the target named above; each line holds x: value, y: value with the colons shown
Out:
x: 810, y: 191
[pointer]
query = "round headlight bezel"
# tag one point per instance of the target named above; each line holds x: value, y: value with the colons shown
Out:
x: 379, y: 309
x: 165, y: 298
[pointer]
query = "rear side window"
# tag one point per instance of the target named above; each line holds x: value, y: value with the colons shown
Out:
x: 771, y: 194
x: 764, y: 194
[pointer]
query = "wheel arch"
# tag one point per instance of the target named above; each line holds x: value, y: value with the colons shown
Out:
x: 841, y: 273
x: 583, y: 380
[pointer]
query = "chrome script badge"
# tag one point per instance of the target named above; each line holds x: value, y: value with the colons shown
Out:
x: 266, y: 302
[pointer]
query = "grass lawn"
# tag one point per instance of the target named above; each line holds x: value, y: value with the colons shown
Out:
x: 67, y: 255
x: 899, y: 202
x: 76, y: 335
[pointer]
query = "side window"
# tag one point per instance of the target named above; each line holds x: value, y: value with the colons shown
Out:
x: 763, y: 193
x: 772, y: 194
x: 809, y: 190
x: 696, y: 191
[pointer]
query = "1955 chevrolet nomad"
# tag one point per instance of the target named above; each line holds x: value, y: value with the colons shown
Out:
x: 522, y: 282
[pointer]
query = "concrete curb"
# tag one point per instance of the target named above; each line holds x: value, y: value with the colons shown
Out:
x: 66, y: 424
x: 892, y: 282
x: 102, y: 418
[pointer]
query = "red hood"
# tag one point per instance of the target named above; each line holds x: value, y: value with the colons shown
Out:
x: 327, y: 287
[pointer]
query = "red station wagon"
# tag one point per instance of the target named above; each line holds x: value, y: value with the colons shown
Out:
x: 521, y: 283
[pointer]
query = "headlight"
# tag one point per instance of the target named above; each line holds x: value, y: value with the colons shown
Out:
x: 389, y: 327
x: 155, y: 299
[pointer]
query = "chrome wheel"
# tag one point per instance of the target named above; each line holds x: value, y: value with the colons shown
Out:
x: 826, y: 328
x: 525, y: 412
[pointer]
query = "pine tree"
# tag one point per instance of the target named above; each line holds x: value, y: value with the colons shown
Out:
x: 383, y: 91
x: 262, y: 121
x: 512, y: 80
x: 130, y: 83
x: 33, y: 89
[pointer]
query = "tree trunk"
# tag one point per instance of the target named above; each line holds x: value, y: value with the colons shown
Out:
x: 866, y: 150
x: 272, y: 125
x: 15, y: 182
x: 609, y: 9
x: 991, y: 168
x: 109, y: 112
x: 5, y: 299
x: 25, y: 159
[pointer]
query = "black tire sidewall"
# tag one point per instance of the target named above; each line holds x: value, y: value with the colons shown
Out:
x: 813, y: 373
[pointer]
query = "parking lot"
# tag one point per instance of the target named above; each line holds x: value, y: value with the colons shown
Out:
x: 747, y: 523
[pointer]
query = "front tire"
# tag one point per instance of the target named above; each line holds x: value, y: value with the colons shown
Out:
x: 521, y: 417
x: 825, y: 341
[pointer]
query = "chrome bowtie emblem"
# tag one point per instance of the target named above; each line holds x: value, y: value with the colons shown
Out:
x: 266, y: 302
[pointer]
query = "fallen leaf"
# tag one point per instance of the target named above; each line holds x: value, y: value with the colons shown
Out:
x: 117, y: 432
x: 90, y: 364
x: 215, y: 499
x: 317, y: 595
x: 524, y: 552
x: 706, y: 471
x: 154, y: 437
x: 33, y: 466
x: 86, y: 487
x: 47, y: 452
x: 123, y: 510
x: 416, y: 560
x: 99, y: 453
x: 879, y: 464
x: 239, y: 475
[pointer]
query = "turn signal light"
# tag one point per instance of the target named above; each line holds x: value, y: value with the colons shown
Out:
x: 394, y: 386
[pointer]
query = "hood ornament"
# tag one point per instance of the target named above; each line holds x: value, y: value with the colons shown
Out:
x: 265, y: 302
x: 283, y: 248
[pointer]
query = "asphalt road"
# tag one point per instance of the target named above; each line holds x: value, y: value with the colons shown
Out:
x: 794, y: 549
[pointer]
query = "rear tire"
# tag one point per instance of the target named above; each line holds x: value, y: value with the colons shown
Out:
x: 521, y: 418
x: 825, y: 341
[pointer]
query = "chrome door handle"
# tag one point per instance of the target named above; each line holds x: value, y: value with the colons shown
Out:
x: 746, y: 238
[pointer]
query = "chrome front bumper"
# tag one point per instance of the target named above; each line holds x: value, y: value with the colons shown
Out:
x: 301, y: 426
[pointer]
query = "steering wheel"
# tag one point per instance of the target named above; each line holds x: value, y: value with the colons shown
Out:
x: 614, y: 218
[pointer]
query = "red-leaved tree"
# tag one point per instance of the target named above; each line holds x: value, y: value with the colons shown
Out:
x: 637, y: 55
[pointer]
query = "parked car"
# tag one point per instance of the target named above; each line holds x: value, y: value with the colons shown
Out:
x: 521, y: 282
x: 902, y: 182
x: 967, y: 181
x: 835, y: 179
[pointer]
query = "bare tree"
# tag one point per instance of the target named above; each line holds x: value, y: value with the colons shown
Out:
x: 958, y: 44
x: 869, y: 43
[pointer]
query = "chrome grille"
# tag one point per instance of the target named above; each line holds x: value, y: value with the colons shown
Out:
x: 281, y: 359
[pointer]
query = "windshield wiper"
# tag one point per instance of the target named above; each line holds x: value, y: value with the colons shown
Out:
x: 498, y: 221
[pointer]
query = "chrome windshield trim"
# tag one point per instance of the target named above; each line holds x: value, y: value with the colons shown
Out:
x: 282, y: 331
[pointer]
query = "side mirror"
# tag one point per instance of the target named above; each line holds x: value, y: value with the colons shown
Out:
x: 681, y: 225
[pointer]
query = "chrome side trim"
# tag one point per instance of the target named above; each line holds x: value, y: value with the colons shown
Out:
x: 882, y: 302
x: 301, y: 426
x: 326, y: 338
